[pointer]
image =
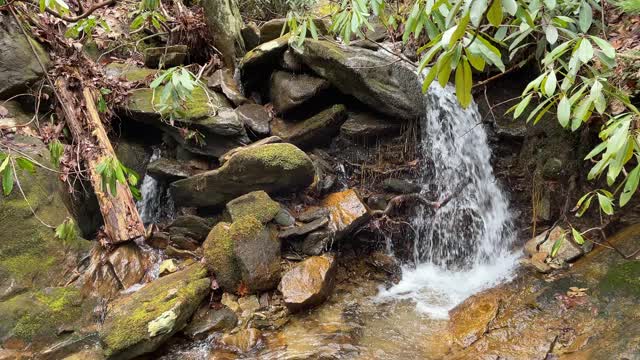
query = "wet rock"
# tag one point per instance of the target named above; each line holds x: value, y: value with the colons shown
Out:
x: 35, y: 317
x: 183, y: 242
x: 326, y: 176
x: 230, y: 301
x: 272, y: 29
x: 291, y: 62
x: 167, y: 56
x: 167, y: 267
x: 29, y: 251
x: 207, y: 320
x: 172, y: 251
x: 538, y: 261
x: 158, y: 240
x: 273, y: 168
x: 140, y: 322
x: 368, y: 126
x: 377, y: 202
x: 255, y: 118
x: 225, y: 26
x: 198, y: 227
x: 400, y: 186
x: 164, y: 169
x: 314, y: 131
x: 316, y: 243
x: 471, y: 319
x: 386, y: 263
x: 243, y: 255
x: 249, y: 304
x: 303, y: 229
x: 284, y: 217
x: 357, y: 72
x: 242, y: 341
x: 257, y: 204
x: 222, y: 80
x: 313, y: 213
x: 553, y: 168
x: 290, y: 91
x: 15, y: 50
x: 309, y: 283
x: 251, y: 35
x: 347, y: 212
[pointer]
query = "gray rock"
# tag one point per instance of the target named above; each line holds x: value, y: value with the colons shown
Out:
x: 313, y: 213
x: 198, y: 227
x: 273, y: 168
x: 222, y: 80
x: 251, y: 35
x: 139, y: 323
x: 243, y: 255
x: 303, y: 229
x: 290, y: 91
x: 284, y: 217
x: 256, y: 118
x: 168, y: 56
x: 567, y: 252
x: 169, y: 170
x: 19, y: 68
x: 314, y: 131
x: 371, y: 77
x: 225, y: 26
x: 400, y: 186
x: 367, y: 126
x: 259, y: 62
x: 309, y: 283
x: 316, y: 242
x: 207, y: 320
x: 291, y: 62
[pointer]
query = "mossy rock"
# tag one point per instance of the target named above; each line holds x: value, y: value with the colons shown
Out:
x: 41, y: 317
x: 622, y: 279
x: 257, y: 204
x: 29, y: 250
x: 129, y: 72
x: 273, y: 168
x: 316, y: 130
x: 140, y: 322
x: 244, y: 255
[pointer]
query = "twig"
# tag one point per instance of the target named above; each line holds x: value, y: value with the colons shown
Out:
x: 85, y: 14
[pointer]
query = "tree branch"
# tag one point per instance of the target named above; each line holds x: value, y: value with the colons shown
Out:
x: 85, y: 14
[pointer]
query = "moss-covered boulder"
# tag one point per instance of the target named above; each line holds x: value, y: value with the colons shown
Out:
x: 140, y: 322
x: 257, y: 204
x: 129, y: 72
x: 19, y: 67
x: 41, y: 317
x: 29, y: 250
x: 274, y: 168
x: 388, y: 86
x: 314, y: 131
x: 225, y: 26
x: 243, y: 255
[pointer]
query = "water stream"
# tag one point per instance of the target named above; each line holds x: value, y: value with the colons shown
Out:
x: 465, y: 246
x: 156, y: 203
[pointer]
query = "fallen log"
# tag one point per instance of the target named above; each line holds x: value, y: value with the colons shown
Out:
x: 77, y: 105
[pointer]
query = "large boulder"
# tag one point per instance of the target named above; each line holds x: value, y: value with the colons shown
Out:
x: 19, y: 67
x: 309, y: 283
x: 388, y: 86
x: 29, y: 249
x: 243, y: 255
x: 290, y: 91
x: 273, y: 168
x: 314, y: 131
x: 225, y: 26
x: 140, y: 322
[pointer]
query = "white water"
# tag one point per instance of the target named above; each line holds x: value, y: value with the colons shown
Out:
x: 465, y: 246
x: 156, y: 203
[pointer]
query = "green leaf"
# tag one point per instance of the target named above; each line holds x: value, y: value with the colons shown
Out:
x: 4, y: 163
x: 477, y: 10
x: 510, y: 6
x: 444, y: 68
x: 556, y: 245
x: 585, y: 206
x: 476, y: 61
x: 585, y: 51
x: 431, y: 75
x: 551, y: 4
x: 564, y: 111
x: 605, y: 204
x: 7, y: 180
x: 597, y: 150
x: 522, y: 106
x: 463, y: 83
x: 25, y: 164
x: 605, y: 46
x: 551, y: 34
x: 494, y: 15
x: 577, y: 237
x: 550, y: 84
x: 585, y: 18
x: 630, y: 186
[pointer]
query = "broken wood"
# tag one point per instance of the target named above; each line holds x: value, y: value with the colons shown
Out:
x: 77, y: 104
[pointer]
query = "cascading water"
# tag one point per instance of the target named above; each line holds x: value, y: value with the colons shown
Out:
x: 156, y: 203
x: 465, y: 246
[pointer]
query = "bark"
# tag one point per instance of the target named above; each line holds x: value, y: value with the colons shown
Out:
x: 77, y: 104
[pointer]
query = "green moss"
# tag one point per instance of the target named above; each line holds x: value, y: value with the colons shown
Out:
x: 201, y: 104
x: 257, y: 204
x: 127, y: 324
x: 623, y: 279
x: 130, y: 72
x: 284, y: 156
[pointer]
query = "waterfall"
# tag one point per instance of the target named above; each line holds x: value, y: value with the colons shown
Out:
x: 156, y: 203
x: 465, y: 246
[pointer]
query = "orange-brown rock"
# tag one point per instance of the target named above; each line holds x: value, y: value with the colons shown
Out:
x: 308, y: 283
x: 347, y: 212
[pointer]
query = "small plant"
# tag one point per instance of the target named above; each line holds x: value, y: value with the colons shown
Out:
x: 148, y: 13
x: 57, y: 5
x: 56, y: 149
x: 67, y: 231
x: 7, y: 170
x: 102, y: 104
x: 112, y: 172
x: 85, y: 27
x: 176, y: 86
